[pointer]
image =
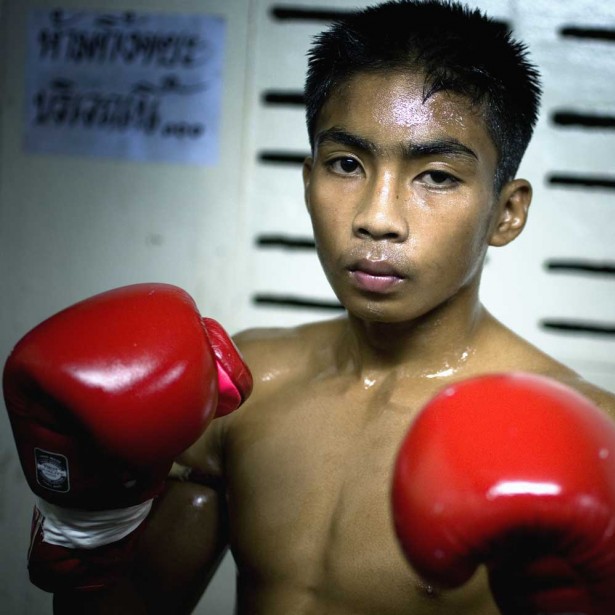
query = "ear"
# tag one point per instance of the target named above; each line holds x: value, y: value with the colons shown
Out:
x: 307, y: 174
x: 513, y: 205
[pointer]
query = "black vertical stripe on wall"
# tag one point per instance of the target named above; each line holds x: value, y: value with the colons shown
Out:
x: 282, y: 157
x: 588, y: 33
x: 577, y: 266
x: 279, y: 97
x: 579, y: 327
x: 305, y: 13
x: 285, y: 242
x: 581, y: 181
x: 290, y: 301
x: 583, y: 120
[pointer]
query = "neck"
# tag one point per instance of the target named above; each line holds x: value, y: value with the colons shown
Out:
x: 433, y: 345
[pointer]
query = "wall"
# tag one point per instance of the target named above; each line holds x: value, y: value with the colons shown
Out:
x: 237, y: 237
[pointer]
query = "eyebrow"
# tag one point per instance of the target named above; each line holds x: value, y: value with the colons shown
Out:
x: 419, y: 149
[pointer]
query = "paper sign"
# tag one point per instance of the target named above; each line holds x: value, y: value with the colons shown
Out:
x: 138, y: 86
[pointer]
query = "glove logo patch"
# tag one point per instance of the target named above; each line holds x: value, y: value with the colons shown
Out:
x: 52, y: 470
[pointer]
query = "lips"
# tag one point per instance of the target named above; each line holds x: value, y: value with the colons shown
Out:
x: 374, y: 276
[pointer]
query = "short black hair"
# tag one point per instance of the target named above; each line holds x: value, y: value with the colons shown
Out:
x: 456, y: 49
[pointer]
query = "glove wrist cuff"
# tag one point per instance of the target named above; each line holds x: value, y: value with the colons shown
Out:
x: 88, y: 529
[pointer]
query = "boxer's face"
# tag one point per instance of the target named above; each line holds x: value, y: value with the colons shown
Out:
x: 400, y: 192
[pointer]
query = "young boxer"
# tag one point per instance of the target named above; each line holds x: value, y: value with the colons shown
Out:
x: 418, y: 114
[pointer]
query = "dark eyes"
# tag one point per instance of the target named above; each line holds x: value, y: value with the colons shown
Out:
x: 346, y: 165
x: 439, y: 178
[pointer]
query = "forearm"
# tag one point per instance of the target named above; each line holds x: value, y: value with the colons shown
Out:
x: 182, y: 546
x: 179, y: 551
x: 120, y: 599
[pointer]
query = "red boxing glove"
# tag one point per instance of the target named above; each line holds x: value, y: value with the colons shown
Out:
x: 102, y: 397
x: 516, y: 472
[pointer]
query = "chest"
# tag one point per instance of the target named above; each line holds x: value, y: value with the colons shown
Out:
x: 317, y: 448
x: 309, y: 489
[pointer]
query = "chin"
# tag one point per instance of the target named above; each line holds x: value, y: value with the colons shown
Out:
x: 387, y: 310
x: 375, y: 311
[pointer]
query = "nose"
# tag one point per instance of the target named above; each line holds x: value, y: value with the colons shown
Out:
x: 381, y: 213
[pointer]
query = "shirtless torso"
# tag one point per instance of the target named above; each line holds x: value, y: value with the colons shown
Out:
x: 307, y: 461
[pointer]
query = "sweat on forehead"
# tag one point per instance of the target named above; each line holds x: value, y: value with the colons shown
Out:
x: 396, y: 100
x: 414, y: 106
x: 406, y: 99
x: 459, y: 50
x: 409, y: 150
x: 386, y: 116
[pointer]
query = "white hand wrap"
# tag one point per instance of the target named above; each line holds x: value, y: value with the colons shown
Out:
x: 88, y: 529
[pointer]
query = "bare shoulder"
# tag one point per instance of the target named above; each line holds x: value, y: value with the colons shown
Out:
x: 276, y: 355
x: 521, y: 355
x: 605, y: 400
x: 277, y: 358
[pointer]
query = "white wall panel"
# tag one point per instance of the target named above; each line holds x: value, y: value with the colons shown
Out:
x: 566, y: 223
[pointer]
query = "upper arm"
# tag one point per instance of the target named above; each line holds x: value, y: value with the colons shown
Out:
x: 205, y: 457
x: 187, y: 533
